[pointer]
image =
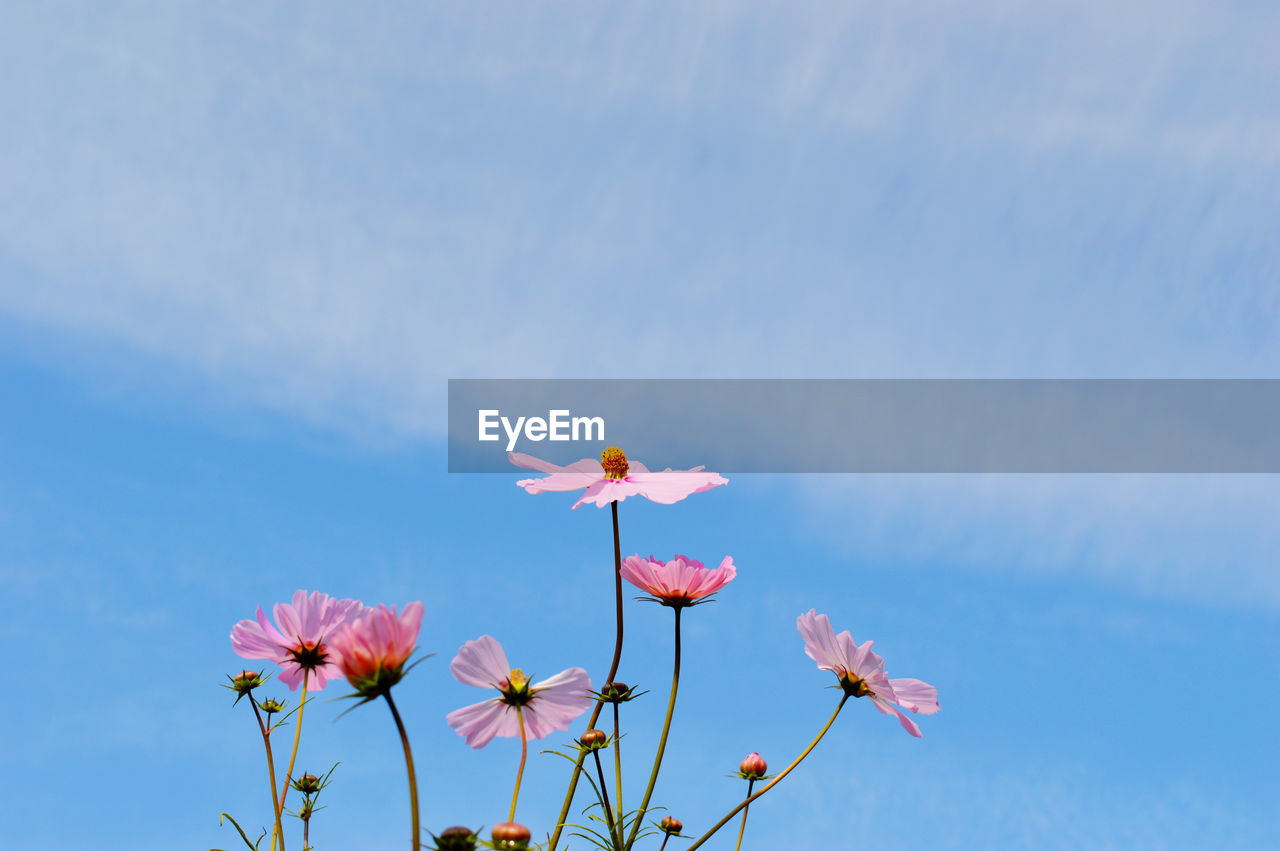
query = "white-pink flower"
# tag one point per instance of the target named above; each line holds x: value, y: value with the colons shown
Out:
x: 861, y: 671
x: 614, y: 478
x: 296, y: 641
x: 679, y: 582
x: 547, y: 706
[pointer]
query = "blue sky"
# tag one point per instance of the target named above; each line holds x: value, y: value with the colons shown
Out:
x: 241, y: 250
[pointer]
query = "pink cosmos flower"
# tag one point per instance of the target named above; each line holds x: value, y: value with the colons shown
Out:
x: 546, y: 706
x: 861, y: 671
x: 679, y: 582
x: 296, y: 642
x: 373, y: 647
x: 614, y: 478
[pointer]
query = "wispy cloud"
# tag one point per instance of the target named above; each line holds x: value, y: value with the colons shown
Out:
x: 331, y: 211
x: 1210, y: 539
x: 327, y: 211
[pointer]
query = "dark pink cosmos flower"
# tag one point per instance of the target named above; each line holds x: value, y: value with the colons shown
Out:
x: 861, y: 671
x: 373, y: 647
x: 679, y: 582
x: 297, y: 640
x: 547, y: 706
x: 614, y: 478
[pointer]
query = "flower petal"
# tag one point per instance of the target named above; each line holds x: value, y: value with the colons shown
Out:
x: 556, y: 702
x: 672, y: 486
x: 481, y: 663
x: 820, y: 640
x: 249, y: 640
x: 915, y: 695
x: 604, y: 491
x: 480, y: 722
x: 578, y: 475
x: 889, y: 709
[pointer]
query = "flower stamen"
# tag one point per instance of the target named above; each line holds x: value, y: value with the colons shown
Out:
x: 614, y: 462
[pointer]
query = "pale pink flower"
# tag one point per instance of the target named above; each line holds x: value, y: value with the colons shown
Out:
x: 297, y: 640
x: 679, y: 582
x: 861, y: 671
x: 547, y: 706
x: 373, y: 647
x: 615, y: 479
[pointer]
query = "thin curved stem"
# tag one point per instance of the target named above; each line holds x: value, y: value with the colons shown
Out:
x: 743, y: 829
x: 774, y: 782
x: 297, y: 735
x: 615, y: 831
x: 408, y: 764
x: 524, y: 753
x: 617, y: 594
x: 613, y: 672
x: 276, y: 830
x: 662, y: 741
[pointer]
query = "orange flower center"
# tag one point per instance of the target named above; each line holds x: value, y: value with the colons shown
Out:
x: 308, y: 657
x: 614, y: 461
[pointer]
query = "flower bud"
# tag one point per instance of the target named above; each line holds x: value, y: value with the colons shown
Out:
x: 670, y: 825
x: 456, y: 838
x: 509, y: 835
x: 271, y: 705
x: 245, y: 682
x: 307, y: 784
x: 616, y: 693
x: 594, y: 739
x: 753, y: 767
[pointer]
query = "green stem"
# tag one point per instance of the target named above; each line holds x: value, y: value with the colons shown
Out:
x: 276, y: 829
x: 743, y: 829
x: 662, y: 742
x: 408, y: 764
x: 774, y: 781
x: 524, y: 752
x: 617, y: 772
x: 613, y: 672
x: 615, y: 832
x: 297, y: 734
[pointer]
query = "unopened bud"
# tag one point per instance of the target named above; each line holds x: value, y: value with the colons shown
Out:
x: 616, y: 693
x: 753, y: 767
x: 308, y: 784
x: 670, y: 825
x: 456, y: 838
x: 594, y: 739
x: 271, y: 705
x: 512, y: 836
x: 244, y: 682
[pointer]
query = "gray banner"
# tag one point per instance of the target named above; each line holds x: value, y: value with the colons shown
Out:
x: 873, y: 425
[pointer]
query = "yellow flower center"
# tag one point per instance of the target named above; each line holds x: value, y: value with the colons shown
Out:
x: 515, y: 688
x: 614, y: 461
x: 854, y: 686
